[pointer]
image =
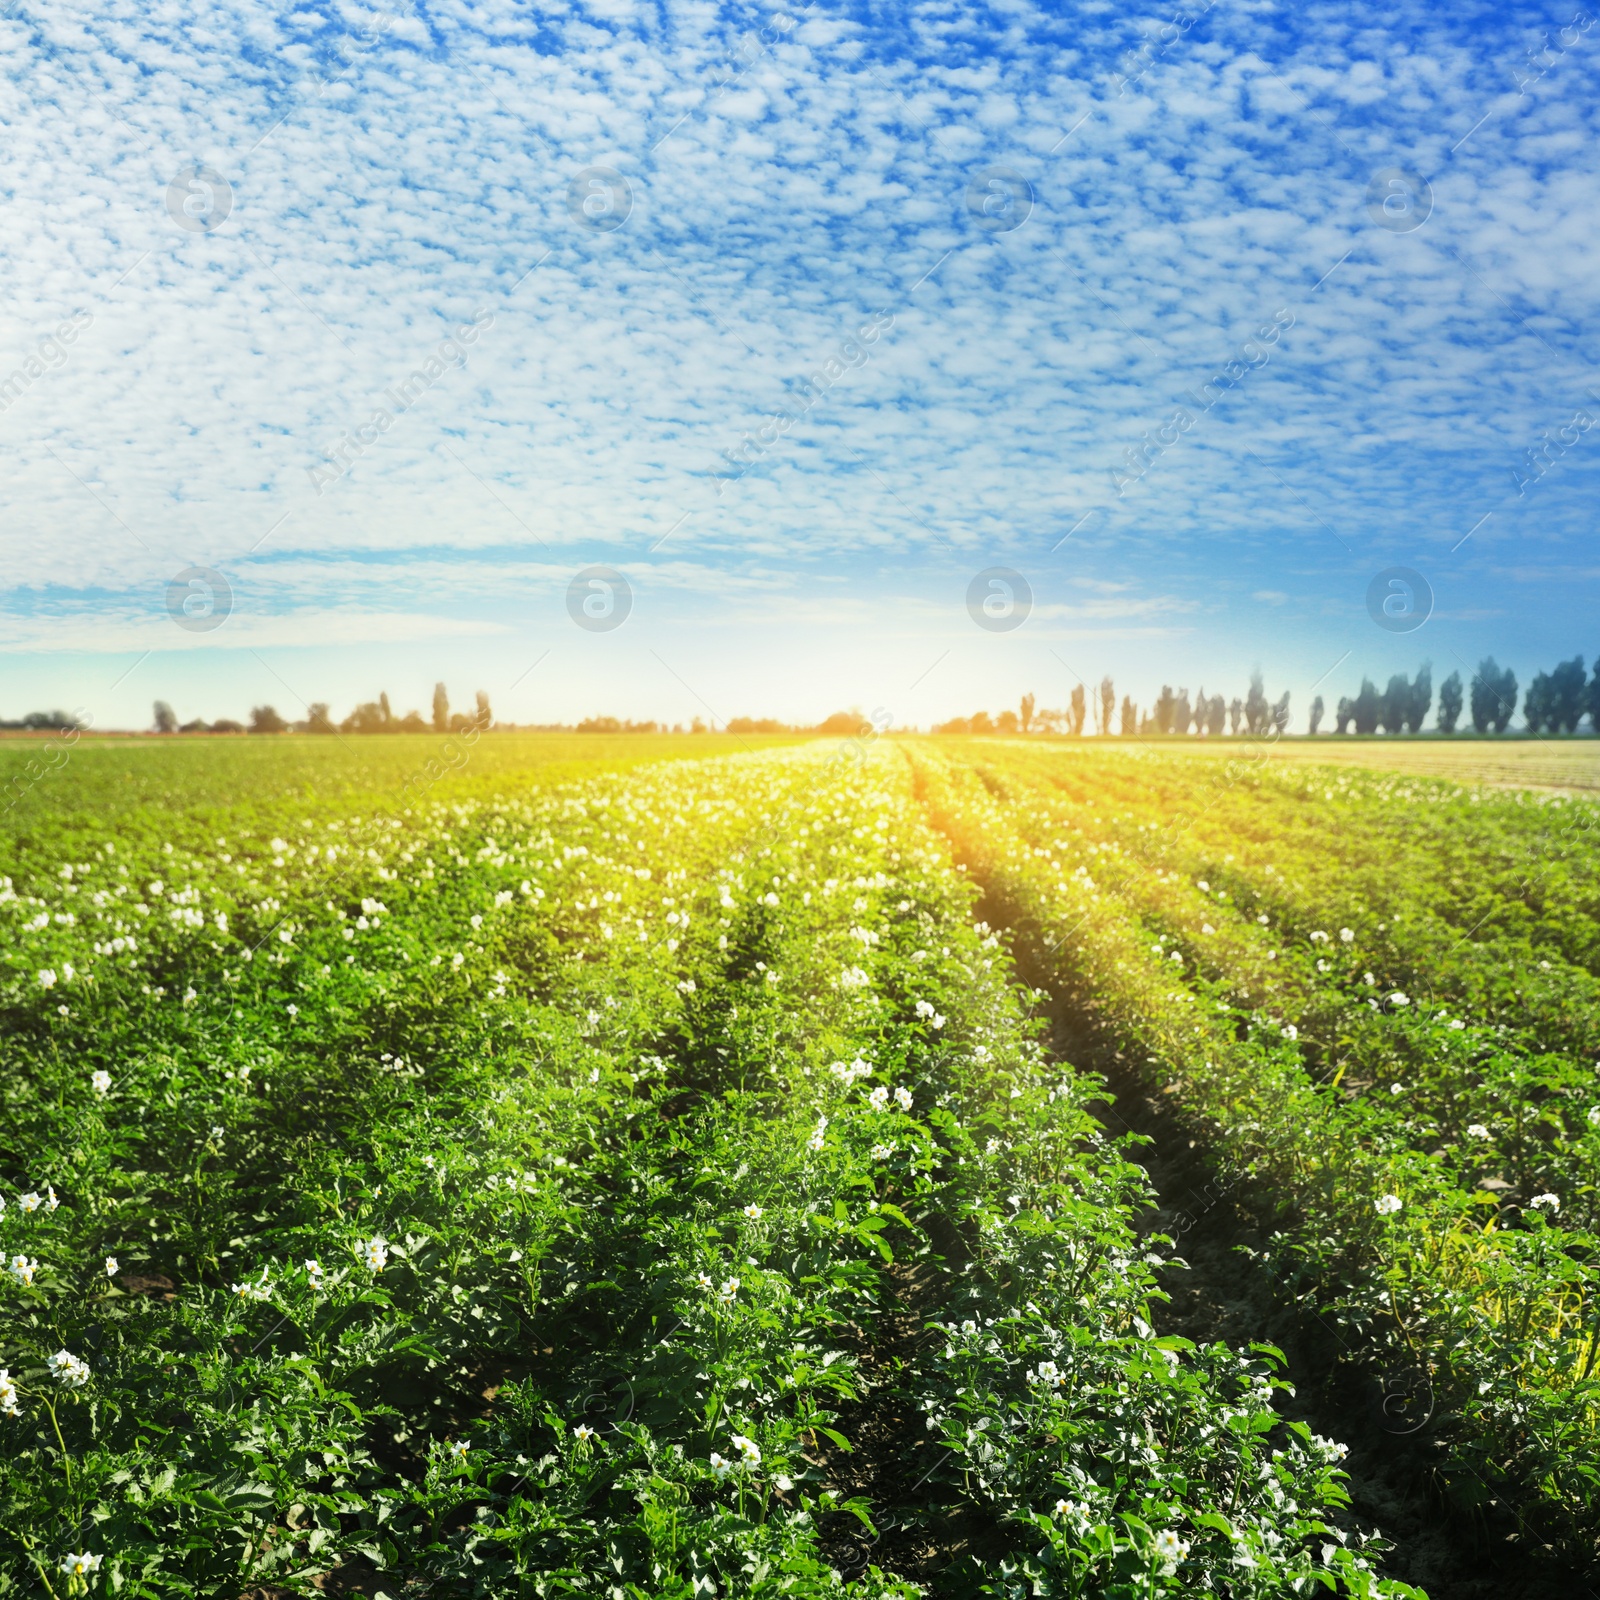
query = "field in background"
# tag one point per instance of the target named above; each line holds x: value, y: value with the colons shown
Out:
x: 1566, y: 765
x: 51, y: 778
x: 109, y: 776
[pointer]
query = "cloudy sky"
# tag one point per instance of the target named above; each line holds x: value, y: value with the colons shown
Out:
x: 835, y: 335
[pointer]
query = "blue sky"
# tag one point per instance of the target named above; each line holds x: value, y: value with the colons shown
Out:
x: 1010, y: 243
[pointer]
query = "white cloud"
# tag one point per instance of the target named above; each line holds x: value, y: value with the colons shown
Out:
x: 390, y: 177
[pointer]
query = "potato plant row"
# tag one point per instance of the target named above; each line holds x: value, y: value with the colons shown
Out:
x: 1398, y: 1024
x: 531, y: 1194
x: 1433, y: 1171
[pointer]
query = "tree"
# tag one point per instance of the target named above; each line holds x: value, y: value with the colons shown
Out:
x: 1130, y: 716
x: 1078, y: 712
x: 1421, y: 698
x: 1594, y: 697
x: 1256, y: 710
x: 1506, y: 701
x: 1538, y: 705
x: 1108, y: 703
x: 1007, y: 721
x: 1556, y: 701
x: 263, y: 719
x: 1316, y: 714
x: 319, y: 719
x: 485, y: 716
x: 1494, y: 696
x: 1567, y: 696
x: 1235, y: 714
x: 370, y: 716
x: 1395, y: 704
x: 1216, y: 715
x: 1280, y: 713
x: 1025, y: 713
x: 1449, y: 703
x: 1347, y: 710
x: 1182, y: 714
x: 1165, y: 706
x: 1365, y: 708
x: 441, y: 709
x: 166, y: 718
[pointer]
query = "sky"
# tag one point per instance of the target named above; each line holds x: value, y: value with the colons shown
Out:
x: 683, y: 359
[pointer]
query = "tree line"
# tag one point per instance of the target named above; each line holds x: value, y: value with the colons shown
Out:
x: 1556, y: 702
x: 42, y: 722
x: 1252, y: 713
x: 371, y: 716
x: 377, y: 716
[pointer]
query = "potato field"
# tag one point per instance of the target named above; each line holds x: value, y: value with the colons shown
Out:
x: 577, y: 1170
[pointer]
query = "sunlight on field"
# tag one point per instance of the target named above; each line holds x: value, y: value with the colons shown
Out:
x: 445, y: 1161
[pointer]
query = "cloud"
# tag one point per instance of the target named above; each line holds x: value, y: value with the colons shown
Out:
x: 390, y: 179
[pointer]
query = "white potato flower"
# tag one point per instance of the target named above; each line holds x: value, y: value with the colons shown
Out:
x: 69, y: 1369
